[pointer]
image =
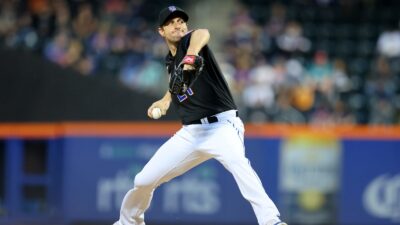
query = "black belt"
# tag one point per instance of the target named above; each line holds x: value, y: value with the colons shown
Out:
x: 210, y: 119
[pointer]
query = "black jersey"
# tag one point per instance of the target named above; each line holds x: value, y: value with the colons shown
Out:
x: 209, y: 94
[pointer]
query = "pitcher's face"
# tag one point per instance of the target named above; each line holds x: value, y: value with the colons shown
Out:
x: 174, y: 29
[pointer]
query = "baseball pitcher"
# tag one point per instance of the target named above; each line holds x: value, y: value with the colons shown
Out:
x: 211, y: 126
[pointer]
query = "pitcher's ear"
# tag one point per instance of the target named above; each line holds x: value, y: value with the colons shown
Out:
x: 161, y: 31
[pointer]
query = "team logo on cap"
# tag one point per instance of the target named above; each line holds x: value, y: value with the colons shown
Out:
x: 172, y: 8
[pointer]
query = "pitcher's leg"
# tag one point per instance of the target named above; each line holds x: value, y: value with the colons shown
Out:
x: 137, y: 200
x: 232, y: 155
x: 175, y: 157
x: 252, y: 189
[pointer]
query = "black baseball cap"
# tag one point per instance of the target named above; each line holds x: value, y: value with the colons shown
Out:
x: 170, y: 12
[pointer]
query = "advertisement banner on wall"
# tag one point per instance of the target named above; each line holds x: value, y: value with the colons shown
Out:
x: 98, y: 173
x: 309, y: 179
x: 371, y: 182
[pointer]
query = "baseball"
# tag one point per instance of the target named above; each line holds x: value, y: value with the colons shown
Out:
x: 156, y: 113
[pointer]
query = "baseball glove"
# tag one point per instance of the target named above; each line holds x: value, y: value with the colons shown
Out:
x: 181, y: 80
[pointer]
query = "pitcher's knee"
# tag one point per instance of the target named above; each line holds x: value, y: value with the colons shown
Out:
x: 142, y: 181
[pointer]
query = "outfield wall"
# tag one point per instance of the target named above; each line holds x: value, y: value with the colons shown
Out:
x: 66, y: 173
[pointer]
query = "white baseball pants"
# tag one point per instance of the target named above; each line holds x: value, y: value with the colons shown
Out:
x: 190, y: 146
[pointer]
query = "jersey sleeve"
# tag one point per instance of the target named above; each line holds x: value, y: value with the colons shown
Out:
x: 185, y: 41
